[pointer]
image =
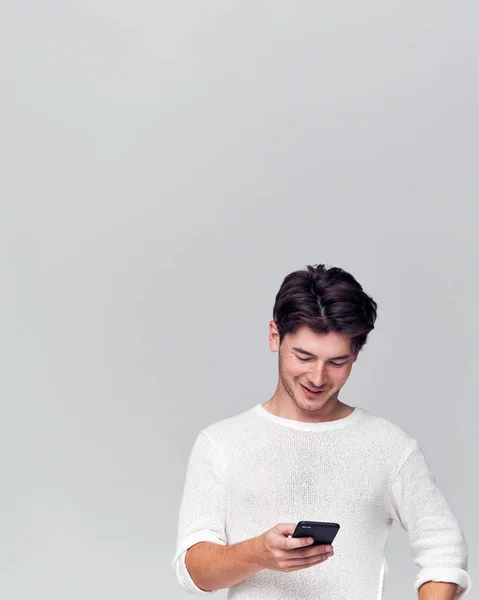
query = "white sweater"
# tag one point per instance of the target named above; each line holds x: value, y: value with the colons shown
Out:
x: 251, y: 471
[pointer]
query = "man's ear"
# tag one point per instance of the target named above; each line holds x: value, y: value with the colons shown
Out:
x: 273, y: 337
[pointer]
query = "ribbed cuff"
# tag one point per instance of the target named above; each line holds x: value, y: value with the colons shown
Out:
x: 446, y: 575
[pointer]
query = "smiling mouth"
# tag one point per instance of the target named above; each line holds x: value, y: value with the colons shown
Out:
x: 314, y: 391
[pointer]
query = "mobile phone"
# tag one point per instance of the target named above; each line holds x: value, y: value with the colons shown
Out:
x: 321, y: 532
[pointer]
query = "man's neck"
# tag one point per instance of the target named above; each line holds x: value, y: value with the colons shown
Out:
x: 340, y: 411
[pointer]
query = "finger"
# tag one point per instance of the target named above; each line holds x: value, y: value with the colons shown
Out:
x: 305, y: 564
x: 324, y: 548
x: 292, y: 543
x: 307, y: 554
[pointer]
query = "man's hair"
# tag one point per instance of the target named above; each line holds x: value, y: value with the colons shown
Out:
x: 325, y: 300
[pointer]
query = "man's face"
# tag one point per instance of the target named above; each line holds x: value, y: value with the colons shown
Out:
x: 319, y: 361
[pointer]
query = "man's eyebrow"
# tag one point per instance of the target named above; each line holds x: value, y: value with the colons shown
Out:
x: 314, y: 356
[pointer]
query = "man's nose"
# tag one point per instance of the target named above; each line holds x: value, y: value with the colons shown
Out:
x: 318, y: 377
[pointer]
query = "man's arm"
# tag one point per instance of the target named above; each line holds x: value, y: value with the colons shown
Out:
x: 202, y: 514
x: 215, y: 567
x: 436, y: 538
x: 437, y: 590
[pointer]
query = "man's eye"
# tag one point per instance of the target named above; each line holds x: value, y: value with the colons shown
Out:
x: 334, y: 364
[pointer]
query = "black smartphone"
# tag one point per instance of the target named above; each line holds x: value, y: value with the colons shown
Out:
x: 321, y: 532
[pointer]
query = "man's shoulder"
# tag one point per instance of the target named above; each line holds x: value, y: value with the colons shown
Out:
x: 230, y: 427
x: 386, y: 431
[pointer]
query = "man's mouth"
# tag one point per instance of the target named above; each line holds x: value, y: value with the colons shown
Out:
x: 312, y: 392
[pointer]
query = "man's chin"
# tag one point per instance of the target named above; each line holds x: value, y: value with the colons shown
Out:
x: 313, y: 404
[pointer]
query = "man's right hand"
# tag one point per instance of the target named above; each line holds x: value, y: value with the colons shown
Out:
x: 279, y: 552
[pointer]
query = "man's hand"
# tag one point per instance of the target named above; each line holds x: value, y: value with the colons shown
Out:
x: 437, y: 590
x: 280, y: 552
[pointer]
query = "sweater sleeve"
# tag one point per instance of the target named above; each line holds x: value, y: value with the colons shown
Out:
x: 435, y: 536
x: 203, y: 509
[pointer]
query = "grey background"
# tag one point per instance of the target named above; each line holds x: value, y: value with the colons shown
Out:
x: 164, y: 166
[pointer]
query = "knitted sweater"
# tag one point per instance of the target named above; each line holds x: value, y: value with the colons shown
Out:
x: 251, y: 471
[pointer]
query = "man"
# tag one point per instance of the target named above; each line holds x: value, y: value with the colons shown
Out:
x: 305, y: 455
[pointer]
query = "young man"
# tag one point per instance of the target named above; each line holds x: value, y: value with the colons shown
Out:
x: 305, y: 455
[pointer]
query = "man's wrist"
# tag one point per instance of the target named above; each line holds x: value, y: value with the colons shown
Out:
x: 257, y: 551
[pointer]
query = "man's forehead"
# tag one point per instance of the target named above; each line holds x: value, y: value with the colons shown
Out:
x: 310, y: 342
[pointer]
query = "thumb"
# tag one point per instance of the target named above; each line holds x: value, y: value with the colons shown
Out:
x: 286, y: 528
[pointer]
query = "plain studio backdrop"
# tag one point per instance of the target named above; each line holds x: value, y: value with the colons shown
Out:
x: 163, y: 166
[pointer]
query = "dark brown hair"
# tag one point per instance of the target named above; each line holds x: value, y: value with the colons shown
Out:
x: 325, y: 300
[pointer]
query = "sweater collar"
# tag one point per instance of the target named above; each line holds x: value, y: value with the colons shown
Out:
x: 306, y: 426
